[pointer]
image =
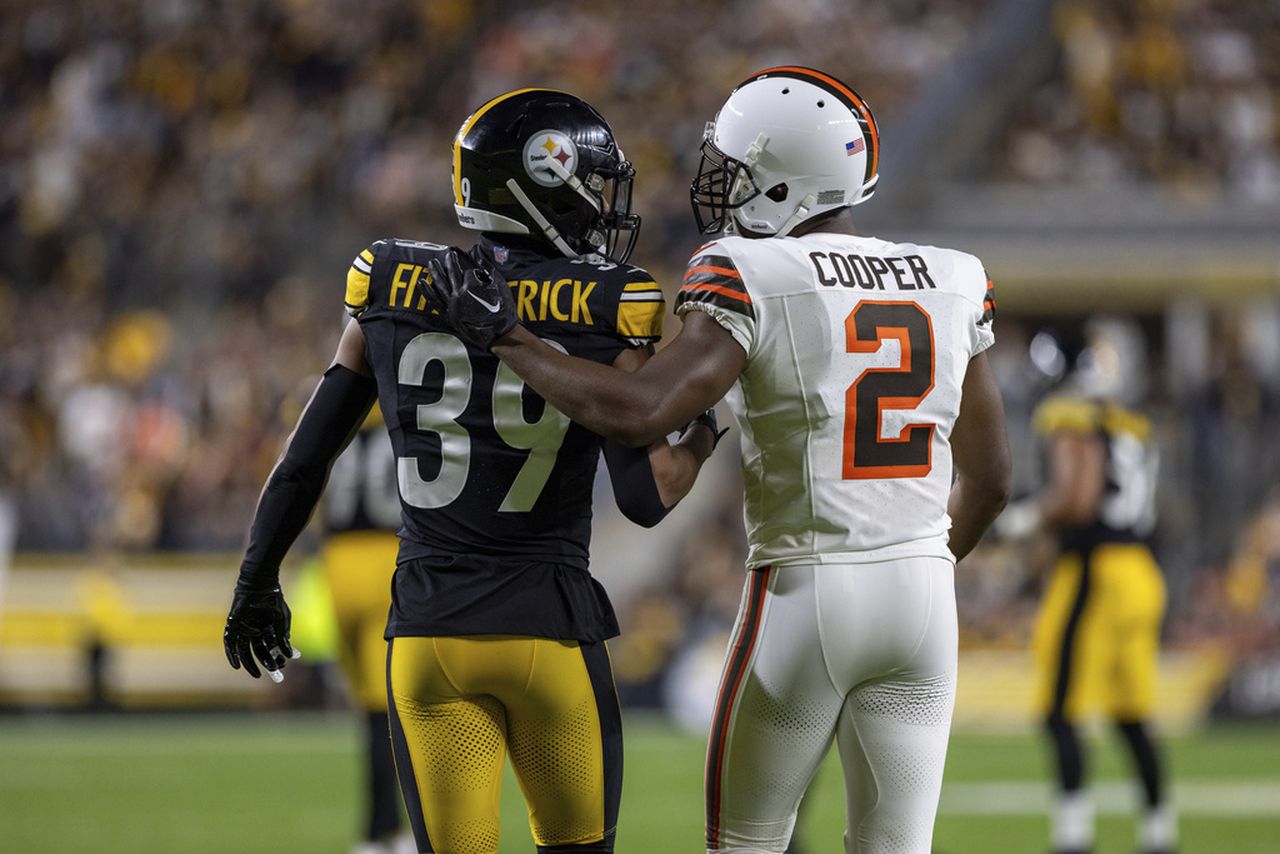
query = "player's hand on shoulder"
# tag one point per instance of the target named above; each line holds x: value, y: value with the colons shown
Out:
x: 476, y: 299
x: 257, y: 630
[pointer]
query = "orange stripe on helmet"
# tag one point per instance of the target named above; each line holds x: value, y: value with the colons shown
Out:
x: 863, y: 109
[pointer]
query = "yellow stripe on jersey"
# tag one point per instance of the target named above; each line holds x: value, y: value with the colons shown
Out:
x: 642, y: 288
x: 357, y: 298
x: 641, y: 319
x: 1117, y: 420
x: 1069, y: 414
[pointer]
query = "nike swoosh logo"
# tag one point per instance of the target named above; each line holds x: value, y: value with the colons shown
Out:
x: 492, y: 306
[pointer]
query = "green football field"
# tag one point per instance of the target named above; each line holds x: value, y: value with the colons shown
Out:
x: 287, y: 783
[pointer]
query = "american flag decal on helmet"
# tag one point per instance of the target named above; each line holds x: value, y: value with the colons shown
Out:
x: 852, y: 148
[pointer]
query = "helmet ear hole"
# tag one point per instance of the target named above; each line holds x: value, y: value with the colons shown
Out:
x: 777, y: 193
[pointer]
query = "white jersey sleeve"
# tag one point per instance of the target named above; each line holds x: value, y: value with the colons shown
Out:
x: 857, y: 350
x: 713, y: 285
x: 976, y: 285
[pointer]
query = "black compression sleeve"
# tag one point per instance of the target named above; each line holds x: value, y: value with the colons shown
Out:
x: 634, y: 488
x: 332, y: 417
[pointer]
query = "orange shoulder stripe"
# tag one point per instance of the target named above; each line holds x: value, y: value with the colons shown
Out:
x: 719, y: 271
x: 719, y: 289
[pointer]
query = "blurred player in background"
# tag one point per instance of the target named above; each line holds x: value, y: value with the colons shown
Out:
x: 858, y: 370
x: 361, y: 515
x: 497, y: 629
x: 1098, y: 632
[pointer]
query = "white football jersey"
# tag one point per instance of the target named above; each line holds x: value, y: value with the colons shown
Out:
x: 856, y: 352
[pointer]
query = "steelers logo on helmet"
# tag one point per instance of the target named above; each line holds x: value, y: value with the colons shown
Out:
x: 567, y: 185
x: 549, y: 156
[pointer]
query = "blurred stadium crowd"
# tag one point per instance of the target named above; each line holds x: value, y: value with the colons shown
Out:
x: 1176, y: 91
x: 183, y: 183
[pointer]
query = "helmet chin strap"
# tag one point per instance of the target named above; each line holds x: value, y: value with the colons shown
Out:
x: 572, y: 180
x: 548, y: 230
x: 749, y: 158
x: 799, y: 215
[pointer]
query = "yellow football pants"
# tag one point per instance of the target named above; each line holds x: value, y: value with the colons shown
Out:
x: 459, y: 704
x: 1097, y: 636
x: 359, y: 566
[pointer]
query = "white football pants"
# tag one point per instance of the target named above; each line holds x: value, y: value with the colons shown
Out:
x: 861, y: 653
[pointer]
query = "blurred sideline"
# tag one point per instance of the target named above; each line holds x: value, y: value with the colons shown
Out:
x: 146, y: 634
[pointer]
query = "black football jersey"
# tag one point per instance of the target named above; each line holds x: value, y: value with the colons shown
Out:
x: 1128, y: 509
x: 361, y: 494
x: 495, y: 485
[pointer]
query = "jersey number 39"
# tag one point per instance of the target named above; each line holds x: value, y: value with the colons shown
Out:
x: 541, y: 438
x: 867, y: 454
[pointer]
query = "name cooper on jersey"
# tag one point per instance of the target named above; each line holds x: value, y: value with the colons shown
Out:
x: 559, y: 299
x: 869, y: 273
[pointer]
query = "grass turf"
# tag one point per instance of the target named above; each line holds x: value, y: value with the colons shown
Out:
x: 289, y: 783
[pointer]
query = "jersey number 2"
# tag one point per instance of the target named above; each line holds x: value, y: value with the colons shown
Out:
x: 541, y: 438
x: 867, y: 454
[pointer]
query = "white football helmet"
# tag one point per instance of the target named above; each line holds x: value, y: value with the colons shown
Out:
x: 791, y: 143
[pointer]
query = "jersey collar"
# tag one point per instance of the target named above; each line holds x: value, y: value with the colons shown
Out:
x: 508, y: 255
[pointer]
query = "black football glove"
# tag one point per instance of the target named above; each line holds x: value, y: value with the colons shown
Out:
x: 708, y: 420
x: 477, y: 301
x: 258, y: 626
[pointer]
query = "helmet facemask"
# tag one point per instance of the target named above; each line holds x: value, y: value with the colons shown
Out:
x: 723, y: 184
x: 618, y: 227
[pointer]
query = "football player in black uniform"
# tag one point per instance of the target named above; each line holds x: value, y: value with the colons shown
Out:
x: 497, y: 630
x: 1097, y: 636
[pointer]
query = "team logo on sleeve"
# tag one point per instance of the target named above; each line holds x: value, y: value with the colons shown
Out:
x: 543, y: 148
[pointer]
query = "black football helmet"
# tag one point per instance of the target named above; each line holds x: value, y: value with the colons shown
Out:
x: 545, y: 163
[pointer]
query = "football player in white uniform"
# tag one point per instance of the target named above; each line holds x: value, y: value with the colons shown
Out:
x: 873, y: 450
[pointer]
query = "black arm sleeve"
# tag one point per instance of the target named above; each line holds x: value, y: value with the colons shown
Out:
x: 332, y: 417
x: 634, y: 488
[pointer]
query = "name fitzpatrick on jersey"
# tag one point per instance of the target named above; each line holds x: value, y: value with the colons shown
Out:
x: 558, y: 299
x: 910, y: 273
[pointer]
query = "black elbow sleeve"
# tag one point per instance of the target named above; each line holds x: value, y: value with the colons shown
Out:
x: 339, y: 405
x: 634, y: 488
